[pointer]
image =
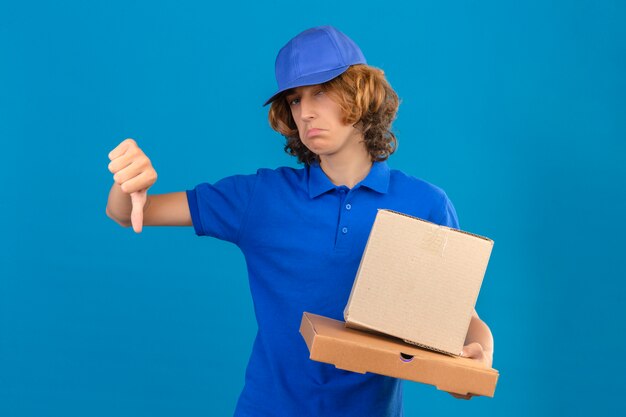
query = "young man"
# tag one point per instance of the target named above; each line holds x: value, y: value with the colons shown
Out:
x: 303, y: 231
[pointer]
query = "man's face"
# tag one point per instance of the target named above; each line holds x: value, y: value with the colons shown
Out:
x: 320, y: 123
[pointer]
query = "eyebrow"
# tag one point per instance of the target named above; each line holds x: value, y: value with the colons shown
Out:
x: 293, y: 91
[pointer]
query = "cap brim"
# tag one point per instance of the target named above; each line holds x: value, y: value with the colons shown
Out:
x: 312, y: 79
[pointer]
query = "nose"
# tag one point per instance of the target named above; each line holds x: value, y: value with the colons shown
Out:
x: 307, y: 108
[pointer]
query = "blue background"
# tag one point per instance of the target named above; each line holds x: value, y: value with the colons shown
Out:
x: 516, y: 109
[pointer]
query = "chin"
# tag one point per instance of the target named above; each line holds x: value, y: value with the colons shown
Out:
x: 317, y: 150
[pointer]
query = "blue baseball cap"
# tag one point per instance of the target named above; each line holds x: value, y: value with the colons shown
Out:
x: 313, y: 57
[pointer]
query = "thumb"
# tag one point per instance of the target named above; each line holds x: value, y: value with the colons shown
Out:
x: 138, y: 200
x: 473, y: 350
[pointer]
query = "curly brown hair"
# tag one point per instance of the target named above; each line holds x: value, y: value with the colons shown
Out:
x: 367, y: 101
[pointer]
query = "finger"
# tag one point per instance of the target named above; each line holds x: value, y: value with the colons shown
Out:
x: 121, y: 148
x: 461, y: 396
x: 133, y: 170
x: 137, y: 183
x: 473, y: 350
x: 119, y: 163
x: 138, y: 200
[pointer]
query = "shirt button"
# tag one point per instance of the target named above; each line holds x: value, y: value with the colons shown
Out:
x: 348, y: 206
x: 344, y: 230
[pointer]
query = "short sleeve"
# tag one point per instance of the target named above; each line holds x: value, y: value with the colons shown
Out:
x: 220, y: 210
x: 447, y: 214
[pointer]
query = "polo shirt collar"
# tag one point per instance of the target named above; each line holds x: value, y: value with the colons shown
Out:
x: 377, y: 179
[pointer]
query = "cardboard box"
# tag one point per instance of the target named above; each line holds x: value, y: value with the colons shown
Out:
x: 418, y: 281
x: 331, y: 342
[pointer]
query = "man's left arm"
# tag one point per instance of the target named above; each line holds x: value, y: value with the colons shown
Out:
x: 479, y: 341
x: 478, y: 346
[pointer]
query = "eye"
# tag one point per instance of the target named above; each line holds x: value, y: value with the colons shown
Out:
x: 293, y: 101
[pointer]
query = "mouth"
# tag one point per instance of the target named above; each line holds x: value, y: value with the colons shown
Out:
x: 313, y: 132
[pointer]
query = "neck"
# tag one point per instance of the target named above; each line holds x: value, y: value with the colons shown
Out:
x: 346, y: 171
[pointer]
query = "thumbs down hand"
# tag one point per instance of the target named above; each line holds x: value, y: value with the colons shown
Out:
x: 134, y: 173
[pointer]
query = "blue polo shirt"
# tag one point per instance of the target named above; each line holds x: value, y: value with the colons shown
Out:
x: 302, y: 238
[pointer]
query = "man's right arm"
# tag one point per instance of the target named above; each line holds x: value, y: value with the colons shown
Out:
x: 129, y: 203
x: 171, y: 209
